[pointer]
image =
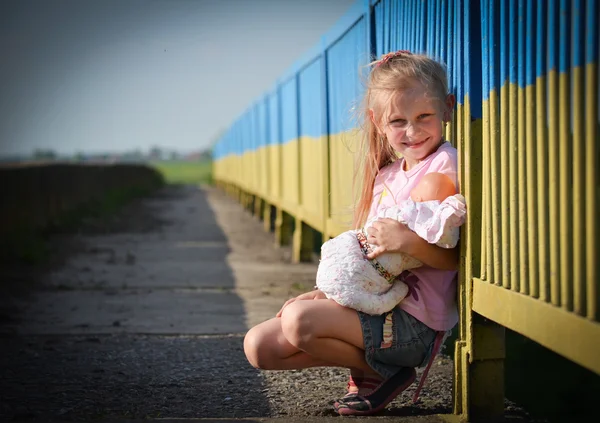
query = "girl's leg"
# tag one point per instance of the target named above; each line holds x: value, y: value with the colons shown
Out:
x: 327, y: 332
x: 310, y: 333
x: 267, y: 348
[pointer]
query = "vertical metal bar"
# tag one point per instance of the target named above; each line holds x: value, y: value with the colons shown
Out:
x: 300, y: 176
x: 423, y: 23
x: 532, y: 245
x: 443, y: 31
x: 565, y: 158
x: 371, y: 26
x: 430, y: 27
x: 496, y: 205
x: 404, y: 29
x: 578, y: 164
x: 414, y: 25
x: 553, y: 152
x: 515, y: 282
x: 486, y: 237
x: 280, y: 136
x: 417, y: 25
x: 542, y: 154
x: 450, y: 55
x: 459, y: 75
x: 449, y: 29
x: 458, y: 46
x: 439, y: 29
x: 423, y: 26
x: 413, y: 19
x: 466, y: 265
x: 386, y: 26
x: 398, y: 18
x: 592, y: 179
x: 409, y: 24
x: 521, y: 151
x: 393, y: 25
x: 504, y: 135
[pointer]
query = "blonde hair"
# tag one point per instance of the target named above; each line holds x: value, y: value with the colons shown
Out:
x: 390, y: 75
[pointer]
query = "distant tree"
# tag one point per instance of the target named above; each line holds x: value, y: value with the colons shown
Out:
x: 155, y: 153
x: 44, y: 154
x: 206, y: 155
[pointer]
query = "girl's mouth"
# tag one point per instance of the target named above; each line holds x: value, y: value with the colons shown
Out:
x: 416, y: 144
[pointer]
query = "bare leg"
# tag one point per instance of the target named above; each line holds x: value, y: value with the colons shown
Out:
x: 309, y: 333
x: 267, y: 348
x: 326, y: 331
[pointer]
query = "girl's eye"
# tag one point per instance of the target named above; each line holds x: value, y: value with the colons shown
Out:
x: 398, y: 122
x: 424, y: 115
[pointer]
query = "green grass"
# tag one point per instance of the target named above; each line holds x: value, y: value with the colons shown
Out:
x: 178, y: 172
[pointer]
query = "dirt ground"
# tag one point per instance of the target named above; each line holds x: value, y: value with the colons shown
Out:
x: 142, y: 315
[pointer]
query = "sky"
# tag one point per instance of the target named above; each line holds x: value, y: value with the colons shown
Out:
x: 119, y: 75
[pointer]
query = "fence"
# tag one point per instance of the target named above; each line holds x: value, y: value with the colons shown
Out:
x: 526, y: 126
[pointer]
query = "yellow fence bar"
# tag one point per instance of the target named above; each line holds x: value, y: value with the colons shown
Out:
x: 578, y: 236
x: 542, y: 194
x: 553, y: 186
x: 513, y: 180
x: 532, y: 187
x: 591, y: 182
x: 486, y: 239
x: 504, y: 186
x: 565, y: 186
x: 496, y: 205
x: 522, y: 189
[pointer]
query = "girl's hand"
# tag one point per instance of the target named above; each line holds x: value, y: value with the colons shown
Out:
x: 312, y: 295
x: 389, y: 235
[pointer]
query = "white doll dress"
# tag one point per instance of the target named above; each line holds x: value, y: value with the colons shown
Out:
x: 346, y: 276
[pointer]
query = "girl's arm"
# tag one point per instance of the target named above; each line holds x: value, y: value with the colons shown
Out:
x: 389, y: 235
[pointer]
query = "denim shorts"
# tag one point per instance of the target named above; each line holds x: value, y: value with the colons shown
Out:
x: 411, y: 346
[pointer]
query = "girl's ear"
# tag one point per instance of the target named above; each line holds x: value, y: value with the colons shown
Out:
x: 372, y: 117
x: 449, y: 103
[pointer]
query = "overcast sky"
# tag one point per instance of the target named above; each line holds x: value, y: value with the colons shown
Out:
x: 116, y: 75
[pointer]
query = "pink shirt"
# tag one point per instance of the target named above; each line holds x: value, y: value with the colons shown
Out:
x: 434, y: 299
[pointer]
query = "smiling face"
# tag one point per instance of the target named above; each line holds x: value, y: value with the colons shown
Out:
x: 414, y: 122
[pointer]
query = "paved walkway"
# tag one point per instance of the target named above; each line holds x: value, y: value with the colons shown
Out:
x: 142, y: 316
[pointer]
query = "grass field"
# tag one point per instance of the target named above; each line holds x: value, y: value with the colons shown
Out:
x: 179, y: 172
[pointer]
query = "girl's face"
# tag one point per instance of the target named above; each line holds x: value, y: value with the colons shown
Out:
x: 414, y: 124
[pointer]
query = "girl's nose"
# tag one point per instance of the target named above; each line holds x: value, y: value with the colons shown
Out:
x: 412, y: 130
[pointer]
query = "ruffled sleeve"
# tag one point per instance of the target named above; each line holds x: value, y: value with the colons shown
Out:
x: 437, y: 223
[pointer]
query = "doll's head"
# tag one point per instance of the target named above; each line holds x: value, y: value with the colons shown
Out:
x: 433, y: 186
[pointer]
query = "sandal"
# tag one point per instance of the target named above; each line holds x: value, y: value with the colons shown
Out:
x: 357, y: 383
x: 379, y: 398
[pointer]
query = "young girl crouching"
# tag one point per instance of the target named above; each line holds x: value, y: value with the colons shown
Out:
x: 406, y: 104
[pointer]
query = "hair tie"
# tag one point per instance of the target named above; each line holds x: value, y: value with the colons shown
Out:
x: 386, y: 57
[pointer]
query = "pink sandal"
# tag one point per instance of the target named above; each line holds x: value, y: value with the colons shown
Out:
x: 357, y: 383
x: 379, y: 398
x: 382, y: 395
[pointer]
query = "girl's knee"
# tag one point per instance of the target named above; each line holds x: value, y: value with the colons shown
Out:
x: 297, y: 324
x: 254, y: 348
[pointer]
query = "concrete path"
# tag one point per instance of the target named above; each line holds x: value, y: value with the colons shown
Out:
x: 171, y: 278
x: 142, y: 316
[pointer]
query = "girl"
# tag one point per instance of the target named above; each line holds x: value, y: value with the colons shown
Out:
x: 406, y: 105
x: 434, y: 211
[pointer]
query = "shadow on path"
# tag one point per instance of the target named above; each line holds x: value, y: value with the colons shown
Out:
x: 135, y: 316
